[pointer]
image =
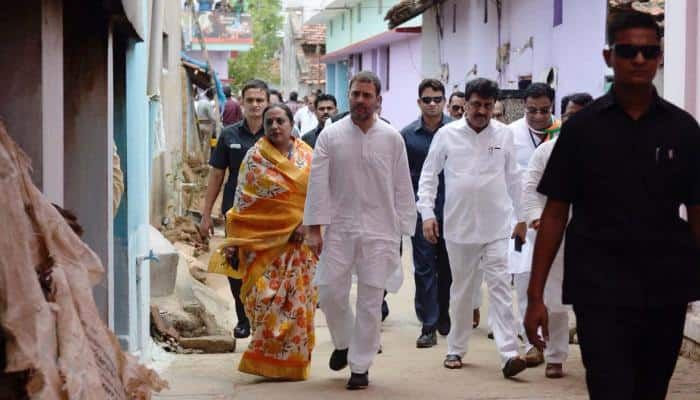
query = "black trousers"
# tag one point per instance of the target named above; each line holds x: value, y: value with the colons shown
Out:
x: 433, y: 279
x: 236, y: 292
x: 629, y: 352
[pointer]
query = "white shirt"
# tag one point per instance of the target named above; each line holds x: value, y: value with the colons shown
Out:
x: 534, y: 201
x: 483, y: 183
x: 305, y: 120
x: 360, y: 182
x: 525, y: 145
x: 525, y: 142
x: 533, y: 205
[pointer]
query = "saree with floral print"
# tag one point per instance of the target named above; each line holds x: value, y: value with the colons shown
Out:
x: 279, y: 298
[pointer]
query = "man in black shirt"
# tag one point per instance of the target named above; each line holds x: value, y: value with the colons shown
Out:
x: 326, y: 107
x: 230, y: 149
x: 624, y: 164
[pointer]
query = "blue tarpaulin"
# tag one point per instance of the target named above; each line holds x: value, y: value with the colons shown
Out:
x: 203, y: 65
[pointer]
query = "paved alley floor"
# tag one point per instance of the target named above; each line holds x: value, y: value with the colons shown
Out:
x: 401, y: 372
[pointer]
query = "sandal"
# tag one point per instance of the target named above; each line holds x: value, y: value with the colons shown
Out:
x: 453, y: 361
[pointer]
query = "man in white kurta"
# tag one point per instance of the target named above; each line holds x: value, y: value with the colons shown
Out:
x: 557, y: 349
x: 360, y: 189
x: 529, y: 133
x: 483, y: 186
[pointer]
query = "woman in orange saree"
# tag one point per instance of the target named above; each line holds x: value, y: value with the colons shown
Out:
x: 265, y: 239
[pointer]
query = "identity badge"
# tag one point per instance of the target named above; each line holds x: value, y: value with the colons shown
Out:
x: 235, y: 146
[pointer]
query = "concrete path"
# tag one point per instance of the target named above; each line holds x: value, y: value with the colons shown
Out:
x: 401, y: 372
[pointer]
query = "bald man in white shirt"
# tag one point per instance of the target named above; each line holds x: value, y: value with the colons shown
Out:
x: 483, y: 188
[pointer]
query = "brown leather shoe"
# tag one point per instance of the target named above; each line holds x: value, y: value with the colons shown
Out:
x: 534, y: 358
x: 554, y: 371
x: 514, y: 366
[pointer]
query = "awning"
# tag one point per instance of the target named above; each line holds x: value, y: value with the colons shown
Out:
x: 407, y: 10
x: 382, y: 39
x: 198, y: 72
x: 133, y: 9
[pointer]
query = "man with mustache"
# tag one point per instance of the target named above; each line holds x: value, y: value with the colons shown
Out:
x: 482, y: 188
x: 360, y: 189
x: 326, y: 107
x: 529, y: 132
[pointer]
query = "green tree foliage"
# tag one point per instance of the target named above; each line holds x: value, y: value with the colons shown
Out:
x: 266, y: 20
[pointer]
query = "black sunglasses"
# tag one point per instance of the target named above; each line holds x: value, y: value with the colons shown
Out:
x: 650, y: 52
x: 436, y: 99
x: 457, y: 107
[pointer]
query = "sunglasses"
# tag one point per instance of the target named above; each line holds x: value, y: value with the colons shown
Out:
x: 436, y: 99
x: 535, y: 110
x: 650, y: 52
x: 457, y: 108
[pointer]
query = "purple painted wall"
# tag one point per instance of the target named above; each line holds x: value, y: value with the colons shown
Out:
x: 573, y: 47
x: 399, y: 101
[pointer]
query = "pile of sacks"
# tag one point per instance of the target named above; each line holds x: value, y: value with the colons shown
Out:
x: 56, y: 345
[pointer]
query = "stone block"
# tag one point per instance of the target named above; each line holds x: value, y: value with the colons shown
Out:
x: 210, y: 344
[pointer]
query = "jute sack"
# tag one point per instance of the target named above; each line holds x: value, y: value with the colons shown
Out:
x: 49, y: 318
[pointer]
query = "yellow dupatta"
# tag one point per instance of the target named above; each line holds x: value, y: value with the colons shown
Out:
x: 268, y: 207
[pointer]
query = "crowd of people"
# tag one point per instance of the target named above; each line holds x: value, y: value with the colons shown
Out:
x: 317, y: 200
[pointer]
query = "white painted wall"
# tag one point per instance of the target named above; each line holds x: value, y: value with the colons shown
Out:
x: 574, y: 47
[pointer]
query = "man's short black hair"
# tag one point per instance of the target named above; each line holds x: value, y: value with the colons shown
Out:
x: 227, y: 91
x: 293, y: 96
x: 367, y: 77
x: 582, y: 99
x: 456, y: 94
x: 256, y: 84
x: 278, y: 94
x: 434, y: 84
x: 325, y: 97
x: 628, y: 19
x: 564, y: 103
x: 537, y: 90
x: 485, y: 88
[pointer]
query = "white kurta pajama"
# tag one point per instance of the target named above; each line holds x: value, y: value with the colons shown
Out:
x: 519, y: 263
x: 557, y: 349
x: 482, y: 186
x: 360, y: 189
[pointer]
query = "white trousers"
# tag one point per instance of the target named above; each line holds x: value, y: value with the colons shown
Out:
x: 478, y: 293
x: 491, y: 259
x: 521, y: 281
x: 557, y: 350
x: 360, y: 334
